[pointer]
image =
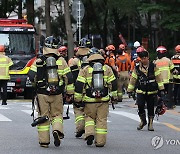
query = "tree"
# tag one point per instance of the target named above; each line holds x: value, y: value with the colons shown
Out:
x: 30, y: 11
x: 47, y: 17
x: 68, y: 29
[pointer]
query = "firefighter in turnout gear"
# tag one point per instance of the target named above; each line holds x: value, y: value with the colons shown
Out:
x: 92, y: 88
x: 50, y: 72
x: 76, y: 64
x: 176, y: 75
x: 166, y: 68
x: 146, y: 77
x: 123, y: 64
x: 5, y: 63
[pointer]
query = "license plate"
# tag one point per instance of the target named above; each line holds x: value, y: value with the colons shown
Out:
x: 11, y: 84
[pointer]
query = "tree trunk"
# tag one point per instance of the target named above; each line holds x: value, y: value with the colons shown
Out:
x: 19, y: 9
x: 47, y: 17
x: 30, y: 11
x: 68, y: 29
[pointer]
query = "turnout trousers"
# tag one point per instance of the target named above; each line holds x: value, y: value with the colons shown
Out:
x: 51, y: 106
x: 150, y: 100
x: 79, y: 118
x: 96, y: 121
x: 123, y: 81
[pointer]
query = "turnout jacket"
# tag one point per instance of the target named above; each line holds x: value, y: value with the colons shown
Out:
x: 166, y: 68
x: 64, y: 75
x: 176, y: 61
x: 84, y: 83
x: 145, y: 80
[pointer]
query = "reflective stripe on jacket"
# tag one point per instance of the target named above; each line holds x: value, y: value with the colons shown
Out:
x: 84, y: 81
x: 5, y: 63
x: 165, y: 67
x: 134, y: 79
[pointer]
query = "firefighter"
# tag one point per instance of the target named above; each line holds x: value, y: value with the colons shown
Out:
x: 176, y: 76
x: 136, y: 61
x: 76, y: 64
x: 123, y: 64
x: 166, y: 68
x: 111, y: 58
x: 63, y: 50
x: 133, y: 53
x: 96, y: 80
x: 146, y: 77
x: 5, y: 63
x: 50, y: 72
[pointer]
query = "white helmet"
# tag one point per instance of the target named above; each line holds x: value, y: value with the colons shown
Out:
x: 137, y: 44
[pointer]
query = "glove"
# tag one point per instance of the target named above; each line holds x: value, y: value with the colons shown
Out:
x: 69, y: 98
x: 114, y: 100
x: 78, y: 104
x: 130, y: 94
x: 162, y: 93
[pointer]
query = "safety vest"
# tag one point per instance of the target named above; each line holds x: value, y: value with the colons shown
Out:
x: 176, y: 61
x: 5, y: 63
x: 123, y: 63
x: 146, y: 83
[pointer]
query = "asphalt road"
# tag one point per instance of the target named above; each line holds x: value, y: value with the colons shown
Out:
x: 18, y: 137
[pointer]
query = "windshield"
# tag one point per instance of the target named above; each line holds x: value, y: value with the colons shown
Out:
x: 18, y: 43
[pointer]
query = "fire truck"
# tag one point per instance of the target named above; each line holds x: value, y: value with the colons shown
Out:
x: 18, y: 37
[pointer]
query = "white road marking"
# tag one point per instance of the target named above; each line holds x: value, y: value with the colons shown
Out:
x: 128, y: 115
x: 3, y: 108
x: 3, y: 118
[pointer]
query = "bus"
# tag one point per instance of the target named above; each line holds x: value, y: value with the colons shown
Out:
x: 18, y: 37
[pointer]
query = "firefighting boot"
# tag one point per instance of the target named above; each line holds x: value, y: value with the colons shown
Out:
x: 80, y: 133
x: 57, y: 140
x: 143, y: 121
x: 4, y: 102
x: 150, y: 123
x: 90, y: 139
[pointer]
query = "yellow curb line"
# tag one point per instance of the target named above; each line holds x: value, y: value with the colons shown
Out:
x: 171, y: 126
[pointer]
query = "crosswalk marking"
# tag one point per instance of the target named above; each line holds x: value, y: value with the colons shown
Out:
x: 121, y: 113
x: 3, y: 118
x: 129, y: 115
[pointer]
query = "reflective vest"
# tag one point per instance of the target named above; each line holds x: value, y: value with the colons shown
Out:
x: 147, y: 82
x: 123, y: 63
x: 5, y: 63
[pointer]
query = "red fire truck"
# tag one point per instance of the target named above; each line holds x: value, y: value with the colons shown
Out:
x: 19, y: 40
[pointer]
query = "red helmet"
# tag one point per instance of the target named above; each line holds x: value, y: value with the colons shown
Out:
x: 2, y: 48
x: 140, y: 49
x: 62, y: 49
x: 110, y: 47
x: 121, y: 46
x: 76, y: 49
x: 177, y: 48
x: 161, y: 49
x: 161, y: 108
